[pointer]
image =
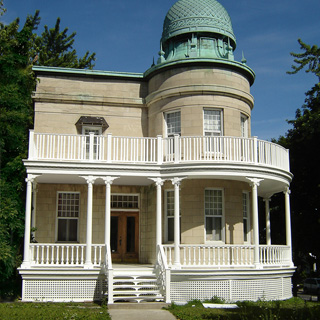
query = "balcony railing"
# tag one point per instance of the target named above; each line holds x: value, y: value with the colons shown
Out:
x: 113, y: 149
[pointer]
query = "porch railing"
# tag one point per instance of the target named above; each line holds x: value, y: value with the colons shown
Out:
x: 52, y: 254
x: 158, y: 150
x: 228, y: 255
x: 163, y: 274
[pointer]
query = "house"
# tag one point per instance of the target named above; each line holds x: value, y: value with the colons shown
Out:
x: 145, y: 186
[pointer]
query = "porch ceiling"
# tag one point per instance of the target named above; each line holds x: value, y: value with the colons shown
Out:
x: 267, y: 186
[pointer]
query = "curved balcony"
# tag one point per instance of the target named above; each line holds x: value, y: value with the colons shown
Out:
x: 158, y: 150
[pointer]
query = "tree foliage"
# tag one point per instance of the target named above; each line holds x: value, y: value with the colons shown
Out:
x: 55, y: 48
x: 19, y: 48
x: 303, y: 142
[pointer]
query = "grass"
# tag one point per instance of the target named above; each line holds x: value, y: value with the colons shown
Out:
x: 48, y: 311
x: 292, y: 309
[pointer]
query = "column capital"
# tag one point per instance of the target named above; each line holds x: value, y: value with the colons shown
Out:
x: 267, y: 197
x: 158, y: 181
x: 31, y: 178
x: 89, y: 179
x: 287, y: 190
x: 109, y: 180
x: 177, y: 181
x: 254, y: 182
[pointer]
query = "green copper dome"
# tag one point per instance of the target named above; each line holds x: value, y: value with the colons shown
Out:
x: 207, y: 16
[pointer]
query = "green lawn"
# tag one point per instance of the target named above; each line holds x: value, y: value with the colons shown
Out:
x: 293, y: 309
x: 47, y: 311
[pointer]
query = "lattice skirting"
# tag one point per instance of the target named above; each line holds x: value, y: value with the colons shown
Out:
x: 232, y: 290
x: 63, y: 290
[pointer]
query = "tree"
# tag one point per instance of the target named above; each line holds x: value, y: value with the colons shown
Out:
x: 303, y: 142
x: 55, y: 48
x: 17, y: 81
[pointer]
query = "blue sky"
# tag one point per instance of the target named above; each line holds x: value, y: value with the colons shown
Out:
x: 125, y: 35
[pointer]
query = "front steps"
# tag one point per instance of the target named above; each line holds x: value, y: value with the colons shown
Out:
x: 137, y: 284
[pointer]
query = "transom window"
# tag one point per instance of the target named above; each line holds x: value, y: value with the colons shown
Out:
x: 68, y: 209
x: 212, y: 122
x: 214, y: 215
x: 124, y: 201
x: 173, y: 122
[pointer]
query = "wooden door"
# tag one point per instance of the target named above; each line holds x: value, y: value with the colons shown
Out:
x: 124, y: 241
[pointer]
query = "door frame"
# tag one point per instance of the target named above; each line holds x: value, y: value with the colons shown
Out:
x: 122, y: 256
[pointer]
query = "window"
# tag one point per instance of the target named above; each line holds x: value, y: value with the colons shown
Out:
x: 169, y: 207
x: 68, y: 209
x: 96, y: 143
x: 244, y: 126
x: 246, y: 216
x: 212, y: 122
x: 124, y: 201
x: 173, y: 122
x: 214, y: 217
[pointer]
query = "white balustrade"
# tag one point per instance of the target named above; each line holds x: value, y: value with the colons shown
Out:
x: 112, y: 149
x: 223, y: 256
x: 49, y: 254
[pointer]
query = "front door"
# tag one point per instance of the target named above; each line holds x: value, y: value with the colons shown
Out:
x: 125, y: 236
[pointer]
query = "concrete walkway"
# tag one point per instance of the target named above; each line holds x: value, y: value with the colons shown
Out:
x: 139, y: 311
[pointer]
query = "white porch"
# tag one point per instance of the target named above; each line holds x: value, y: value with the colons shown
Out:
x: 82, y: 159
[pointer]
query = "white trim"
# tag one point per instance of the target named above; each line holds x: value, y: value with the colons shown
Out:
x: 244, y: 130
x: 57, y: 218
x: 213, y: 132
x: 166, y: 120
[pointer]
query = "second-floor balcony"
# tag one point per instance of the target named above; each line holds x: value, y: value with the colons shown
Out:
x: 156, y: 150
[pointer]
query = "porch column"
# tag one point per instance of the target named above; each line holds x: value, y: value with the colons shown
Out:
x: 34, y: 208
x: 268, y: 224
x: 176, y: 182
x: 288, y: 222
x: 255, y: 215
x: 90, y: 181
x: 27, y: 228
x: 108, y: 181
x: 159, y: 184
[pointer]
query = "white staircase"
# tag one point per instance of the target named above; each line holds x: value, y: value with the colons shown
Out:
x: 135, y: 284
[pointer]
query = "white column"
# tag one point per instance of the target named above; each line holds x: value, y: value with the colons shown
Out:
x: 27, y: 228
x: 108, y: 181
x: 255, y: 217
x: 268, y: 223
x: 288, y: 222
x: 90, y: 181
x: 34, y: 209
x: 159, y: 184
x: 176, y: 182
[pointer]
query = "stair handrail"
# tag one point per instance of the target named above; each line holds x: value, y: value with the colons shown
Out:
x: 109, y: 273
x: 163, y: 273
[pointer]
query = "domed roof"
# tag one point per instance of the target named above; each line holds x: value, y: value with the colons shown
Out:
x: 187, y: 16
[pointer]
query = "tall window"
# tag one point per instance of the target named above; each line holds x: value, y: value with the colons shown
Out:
x: 169, y: 210
x: 68, y: 209
x: 214, y: 215
x: 212, y: 122
x: 244, y: 126
x: 246, y: 216
x: 173, y: 122
x: 86, y: 130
